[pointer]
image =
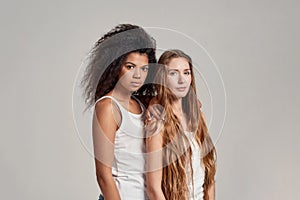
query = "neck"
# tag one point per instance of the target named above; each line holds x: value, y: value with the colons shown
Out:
x: 121, y: 94
x: 178, y: 111
x: 178, y: 107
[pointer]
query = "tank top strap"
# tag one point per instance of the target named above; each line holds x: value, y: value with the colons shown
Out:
x: 109, y: 97
x: 120, y: 107
x: 140, y: 103
x: 117, y: 104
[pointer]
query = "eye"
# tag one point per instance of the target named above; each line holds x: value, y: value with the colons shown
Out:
x: 187, y: 72
x: 145, y: 68
x: 172, y: 73
x: 129, y: 66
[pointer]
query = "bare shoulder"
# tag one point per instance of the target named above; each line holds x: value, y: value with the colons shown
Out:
x: 107, y: 111
x: 103, y: 106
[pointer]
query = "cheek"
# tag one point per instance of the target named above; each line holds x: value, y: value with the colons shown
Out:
x: 189, y: 80
x: 171, y: 82
x: 144, y: 74
x: 122, y: 72
x: 124, y: 77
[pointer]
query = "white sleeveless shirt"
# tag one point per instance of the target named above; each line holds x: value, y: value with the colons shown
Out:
x: 196, y: 191
x: 129, y: 162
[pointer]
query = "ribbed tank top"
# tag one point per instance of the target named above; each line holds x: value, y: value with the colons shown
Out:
x: 196, y: 191
x: 129, y: 162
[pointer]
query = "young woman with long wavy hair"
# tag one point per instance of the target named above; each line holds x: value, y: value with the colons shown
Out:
x: 117, y: 69
x: 181, y: 155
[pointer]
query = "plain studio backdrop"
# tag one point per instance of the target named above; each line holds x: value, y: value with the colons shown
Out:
x: 255, y: 45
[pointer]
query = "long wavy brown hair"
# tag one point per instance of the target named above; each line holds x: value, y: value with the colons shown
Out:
x: 176, y: 153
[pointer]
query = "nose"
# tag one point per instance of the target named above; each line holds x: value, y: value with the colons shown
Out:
x: 137, y: 73
x: 181, y: 79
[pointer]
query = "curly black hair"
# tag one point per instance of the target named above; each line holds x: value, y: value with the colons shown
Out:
x: 107, y: 56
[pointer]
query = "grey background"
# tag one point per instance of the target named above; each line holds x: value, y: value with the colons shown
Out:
x: 254, y: 43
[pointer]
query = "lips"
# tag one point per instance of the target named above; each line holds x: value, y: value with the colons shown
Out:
x: 136, y: 84
x: 181, y: 89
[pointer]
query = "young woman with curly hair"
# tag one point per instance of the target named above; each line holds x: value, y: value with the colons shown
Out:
x: 181, y: 154
x: 117, y: 69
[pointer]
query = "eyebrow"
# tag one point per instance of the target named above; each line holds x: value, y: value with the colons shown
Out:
x: 130, y: 63
x: 135, y: 64
x: 178, y: 70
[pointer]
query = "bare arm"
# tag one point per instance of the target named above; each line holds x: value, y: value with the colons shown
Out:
x: 154, y: 166
x: 104, y: 129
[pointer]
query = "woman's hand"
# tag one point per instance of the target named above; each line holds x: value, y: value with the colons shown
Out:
x: 155, y: 111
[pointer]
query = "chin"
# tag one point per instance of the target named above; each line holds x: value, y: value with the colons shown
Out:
x: 134, y: 89
x: 180, y: 95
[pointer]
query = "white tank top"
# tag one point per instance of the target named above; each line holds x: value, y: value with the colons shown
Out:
x: 129, y: 162
x: 196, y: 192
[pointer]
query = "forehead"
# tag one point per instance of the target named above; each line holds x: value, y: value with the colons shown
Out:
x: 178, y: 63
x: 137, y: 58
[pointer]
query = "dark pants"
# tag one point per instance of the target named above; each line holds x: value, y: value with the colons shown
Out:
x: 101, y: 197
